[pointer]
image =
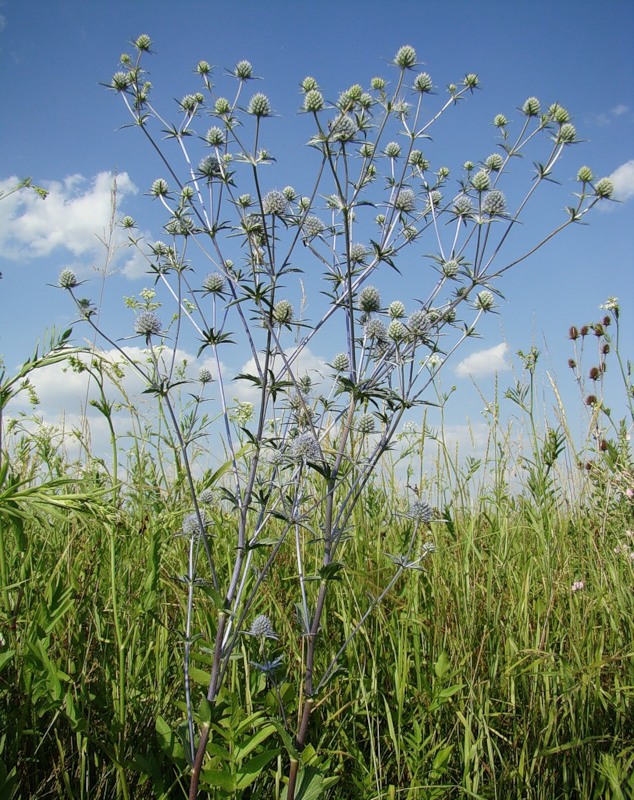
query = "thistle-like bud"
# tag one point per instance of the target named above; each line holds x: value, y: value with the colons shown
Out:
x: 471, y: 80
x: 204, y: 375
x: 128, y: 222
x: 358, y: 253
x: 494, y: 162
x: 417, y: 159
x: 309, y: 84
x: 203, y: 68
x: 499, y: 120
x: 604, y: 188
x: 305, y: 448
x: 378, y: 84
x: 313, y: 101
x: 215, y: 137
x: 159, y: 188
x: 274, y: 203
x: 341, y: 362
x: 262, y: 628
x: 423, y: 83
x: 222, y: 106
x: 210, y: 167
x: 259, y: 105
x: 120, y: 81
x: 214, y: 283
x: 67, y: 279
x: 143, y: 42
x: 366, y: 150
x: 369, y: 299
x: 396, y: 309
x: 375, y: 329
x: 190, y: 102
x: 405, y: 57
x: 283, y: 312
x: 419, y: 511
x: 418, y: 324
x: 450, y: 268
x: 343, y: 128
x: 481, y: 181
x: 463, y: 206
x: 147, y: 324
x: 396, y: 331
x: 312, y: 227
x: 531, y: 107
x: 392, y: 149
x: 484, y: 301
x: 405, y: 200
x: 559, y: 113
x: 585, y: 175
x: 567, y: 134
x: 243, y: 70
x: 494, y: 204
x: 365, y: 425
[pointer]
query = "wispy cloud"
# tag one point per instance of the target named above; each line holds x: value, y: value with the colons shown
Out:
x: 484, y: 362
x: 75, y: 215
x: 623, y: 180
x: 607, y: 117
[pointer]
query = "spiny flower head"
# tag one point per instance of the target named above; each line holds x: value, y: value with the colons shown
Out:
x: 471, y: 80
x: 147, y: 324
x: 128, y: 222
x: 309, y: 84
x: 312, y: 226
x: 305, y: 448
x: 369, y: 299
x: 204, y: 375
x: 262, y: 628
x: 203, y: 68
x: 366, y: 150
x: 358, y: 253
x: 143, y: 42
x: 283, y: 312
x: 567, y: 133
x: 499, y: 120
x: 559, y: 113
x: 484, y: 301
x: 419, y: 511
x: 585, y: 175
x: 341, y: 362
x: 392, y: 149
x: 494, y: 203
x: 190, y: 102
x: 210, y: 167
x: 313, y: 101
x: 604, y: 188
x: 405, y: 201
x: 243, y: 70
x: 481, y: 181
x: 531, y: 107
x: 222, y: 106
x: 120, y: 81
x: 463, y: 206
x: 274, y: 203
x: 396, y: 309
x: 450, y: 268
x: 405, y: 57
x: 494, y: 162
x: 289, y: 193
x: 365, y: 424
x: 378, y: 84
x: 215, y: 136
x: 159, y: 188
x: 214, y: 283
x: 259, y: 105
x: 67, y: 279
x: 191, y: 525
x: 418, y: 323
x: 423, y: 83
x: 396, y: 330
x: 207, y: 497
x: 343, y: 128
x: 375, y: 329
x: 417, y: 159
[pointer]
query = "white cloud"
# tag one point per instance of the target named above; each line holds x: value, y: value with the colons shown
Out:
x: 623, y: 180
x: 75, y: 215
x: 484, y: 362
x: 307, y: 364
x: 619, y: 110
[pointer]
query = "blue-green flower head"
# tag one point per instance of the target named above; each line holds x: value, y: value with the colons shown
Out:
x: 494, y: 162
x: 463, y: 207
x: 341, y: 362
x: 423, y: 83
x: 214, y: 283
x: 531, y: 107
x: 191, y: 525
x: 274, y: 203
x: 309, y: 84
x: 215, y: 136
x: 313, y: 101
x: 405, y: 201
x: 343, y: 128
x: 481, y: 181
x: 370, y: 300
x: 207, y: 497
x: 405, y: 57
x: 204, y: 375
x: 375, y: 329
x: 222, y: 106
x: 305, y: 447
x: 358, y: 253
x: 420, y: 512
x: 259, y: 105
x: 365, y: 425
x: 312, y: 226
x: 210, y: 167
x: 604, y: 188
x: 494, y: 203
x: 67, y: 279
x: 392, y: 149
x: 243, y: 70
x: 418, y: 323
x: 567, y: 134
x: 147, y: 324
x: 262, y: 628
x: 159, y: 188
x: 585, y: 175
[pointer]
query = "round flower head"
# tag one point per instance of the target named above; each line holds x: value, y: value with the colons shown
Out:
x: 120, y: 81
x: 463, y: 206
x: 481, y: 181
x: 191, y: 525
x: 604, y: 188
x: 365, y: 424
x: 159, y: 188
x: 206, y: 497
x: 494, y: 203
x: 369, y: 299
x: 567, y: 134
x: 204, y: 375
x: 559, y: 113
x: 396, y: 309
x: 305, y: 448
x: 355, y: 92
x: 418, y: 323
x: 471, y: 80
x: 343, y: 128
x: 147, y: 324
x: 420, y: 511
x: 366, y: 150
x: 450, y: 268
x: 262, y: 628
x: 484, y: 301
x: 378, y: 84
x: 259, y: 105
x: 434, y: 199
x: 203, y: 68
x: 222, y: 106
x: 67, y: 279
x: 215, y: 136
x: 358, y: 253
x: 128, y: 222
x: 214, y: 283
x: 283, y: 312
x: 243, y: 70
x: 585, y: 175
x: 274, y: 203
x: 423, y: 83
x: 405, y: 58
x: 143, y: 42
x: 375, y: 329
x: 309, y: 84
x: 190, y: 102
x: 312, y: 227
x: 289, y: 193
x: 417, y: 159
x: 313, y: 101
x: 500, y: 121
x: 341, y: 362
x: 494, y: 162
x: 392, y: 149
x: 396, y: 330
x: 405, y: 201
x: 210, y: 167
x: 531, y: 107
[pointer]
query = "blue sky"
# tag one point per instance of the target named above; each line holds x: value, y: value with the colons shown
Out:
x: 62, y: 128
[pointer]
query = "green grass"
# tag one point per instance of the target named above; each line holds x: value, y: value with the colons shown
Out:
x: 482, y: 676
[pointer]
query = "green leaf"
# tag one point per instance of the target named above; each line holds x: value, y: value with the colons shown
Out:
x: 247, y: 774
x: 218, y: 778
